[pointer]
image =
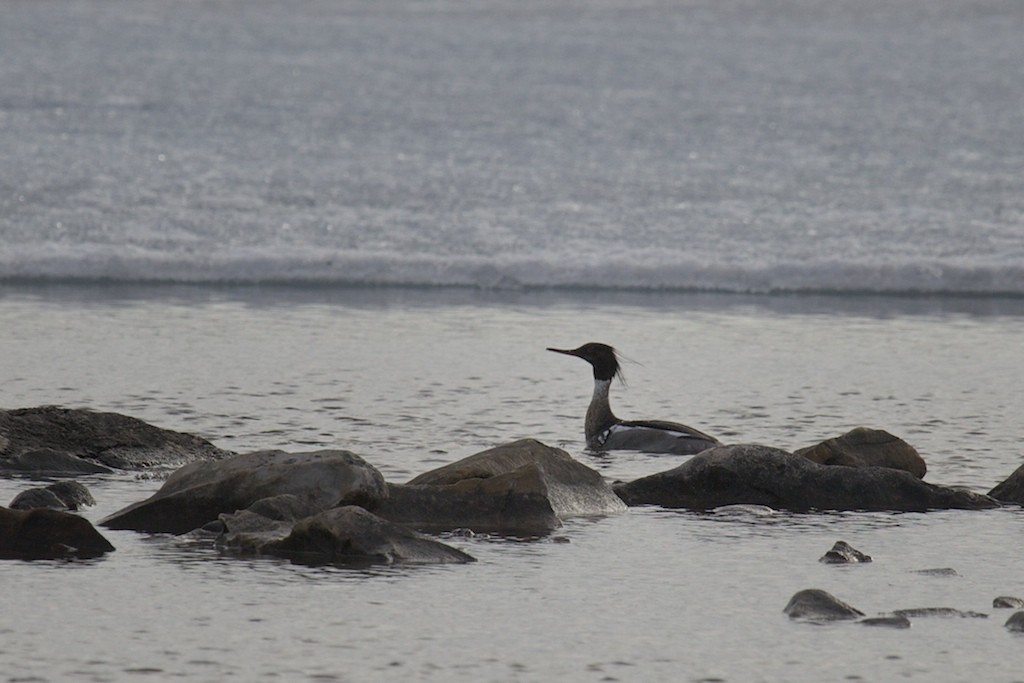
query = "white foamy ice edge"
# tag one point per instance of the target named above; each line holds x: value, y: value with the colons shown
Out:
x: 636, y: 269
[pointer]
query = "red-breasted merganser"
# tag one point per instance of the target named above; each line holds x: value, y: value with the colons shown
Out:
x: 606, y: 432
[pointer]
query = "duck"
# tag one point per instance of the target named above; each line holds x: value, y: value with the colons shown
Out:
x: 605, y: 432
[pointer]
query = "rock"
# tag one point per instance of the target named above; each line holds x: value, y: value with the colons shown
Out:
x: 199, y: 492
x: 937, y: 571
x: 819, y: 606
x: 1016, y: 622
x: 760, y: 475
x: 352, y: 535
x: 1005, y: 601
x: 55, y: 440
x: 864, y: 447
x: 524, y: 488
x: 1011, y: 490
x: 62, y: 495
x: 48, y: 534
x: 938, y: 612
x: 893, y: 621
x: 844, y: 553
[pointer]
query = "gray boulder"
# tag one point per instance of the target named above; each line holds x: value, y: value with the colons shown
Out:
x: 1011, y: 490
x: 200, y: 492
x: 760, y: 475
x: 48, y: 534
x: 819, y: 606
x: 62, y: 441
x: 1016, y: 622
x: 61, y: 495
x: 864, y: 447
x: 351, y: 535
x: 524, y: 488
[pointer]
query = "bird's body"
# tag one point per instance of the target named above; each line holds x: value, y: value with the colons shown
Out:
x: 606, y: 432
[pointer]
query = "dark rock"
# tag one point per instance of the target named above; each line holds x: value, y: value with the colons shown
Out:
x: 1011, y: 490
x: 55, y: 440
x: 37, y: 498
x: 1007, y: 602
x: 893, y: 621
x: 938, y: 612
x: 760, y: 475
x: 1016, y: 622
x: 62, y: 495
x: 819, y: 606
x: 352, y: 535
x: 863, y: 447
x: 200, y: 492
x: 937, y: 571
x: 48, y: 534
x: 844, y: 553
x: 524, y: 488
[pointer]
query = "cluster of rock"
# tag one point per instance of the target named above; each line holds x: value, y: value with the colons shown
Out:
x: 817, y: 606
x: 332, y: 506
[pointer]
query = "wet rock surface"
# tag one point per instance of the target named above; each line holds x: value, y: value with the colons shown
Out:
x: 61, y: 495
x: 816, y: 605
x: 67, y: 441
x: 864, y: 447
x: 761, y: 475
x: 844, y: 553
x: 42, y: 534
x: 200, y: 492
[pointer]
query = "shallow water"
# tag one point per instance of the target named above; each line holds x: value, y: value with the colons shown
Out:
x: 411, y: 379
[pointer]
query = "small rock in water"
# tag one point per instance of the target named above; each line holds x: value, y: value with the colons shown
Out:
x: 844, y: 553
x: 890, y: 621
x: 1016, y: 622
x: 62, y: 495
x: 817, y: 605
x: 939, y: 612
x: 1005, y: 601
x: 938, y: 571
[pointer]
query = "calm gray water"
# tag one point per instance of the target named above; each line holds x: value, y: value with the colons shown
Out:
x: 410, y: 379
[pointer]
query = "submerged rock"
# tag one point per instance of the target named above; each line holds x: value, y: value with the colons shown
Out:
x: 888, y: 621
x: 62, y: 495
x: 1010, y: 490
x: 844, y: 553
x: 61, y: 441
x: 1016, y: 622
x: 352, y: 535
x: 522, y: 488
x: 864, y: 447
x: 198, y: 493
x: 1007, y: 602
x: 819, y: 606
x: 945, y: 612
x: 39, y: 534
x: 937, y: 571
x: 760, y: 475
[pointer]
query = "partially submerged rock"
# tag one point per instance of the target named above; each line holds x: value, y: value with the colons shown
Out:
x: 844, y: 553
x: 1011, y: 489
x: 819, y: 606
x: 352, y: 535
x: 864, y: 447
x: 48, y: 534
x: 944, y: 612
x: 61, y: 495
x: 522, y: 488
x: 198, y: 493
x: 65, y: 441
x: 888, y: 621
x: 1015, y: 623
x: 1007, y: 602
x: 761, y: 475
